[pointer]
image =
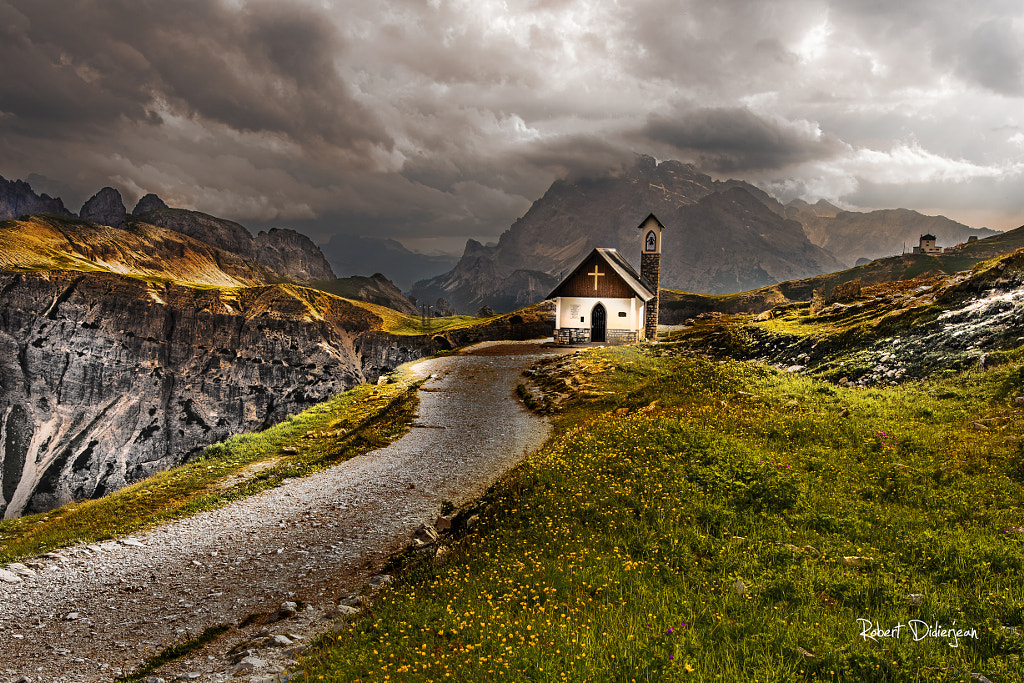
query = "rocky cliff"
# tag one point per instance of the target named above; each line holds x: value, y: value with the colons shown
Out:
x: 720, y: 237
x: 292, y: 254
x: 106, y: 379
x: 125, y: 351
x: 286, y: 252
x: 18, y: 199
x: 105, y: 208
x: 149, y: 202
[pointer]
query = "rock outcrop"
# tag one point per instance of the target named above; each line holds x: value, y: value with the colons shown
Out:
x: 148, y: 203
x: 107, y: 379
x: 720, y: 237
x: 217, y: 232
x: 18, y: 199
x: 290, y: 254
x: 126, y: 351
x: 105, y: 207
x: 375, y: 289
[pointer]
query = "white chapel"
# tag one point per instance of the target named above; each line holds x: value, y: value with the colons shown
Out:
x: 604, y: 300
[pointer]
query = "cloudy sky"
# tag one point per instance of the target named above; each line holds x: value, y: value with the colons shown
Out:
x: 436, y: 120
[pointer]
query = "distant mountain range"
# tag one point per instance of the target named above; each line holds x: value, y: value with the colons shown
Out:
x: 676, y: 307
x: 150, y: 242
x: 851, y: 236
x: 286, y: 253
x: 367, y: 255
x: 721, y: 237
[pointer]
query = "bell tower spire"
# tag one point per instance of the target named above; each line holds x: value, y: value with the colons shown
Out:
x: 650, y: 270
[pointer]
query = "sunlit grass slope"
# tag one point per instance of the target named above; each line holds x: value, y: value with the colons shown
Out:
x: 50, y: 243
x: 403, y: 324
x: 723, y: 521
x: 677, y: 305
x: 145, y: 252
x: 354, y: 422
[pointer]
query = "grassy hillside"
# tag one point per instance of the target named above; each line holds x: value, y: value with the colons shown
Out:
x: 677, y: 306
x: 748, y: 501
x: 158, y: 255
x: 376, y: 289
x: 46, y: 243
x: 704, y: 520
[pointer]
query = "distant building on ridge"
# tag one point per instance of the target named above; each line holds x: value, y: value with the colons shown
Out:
x: 927, y: 246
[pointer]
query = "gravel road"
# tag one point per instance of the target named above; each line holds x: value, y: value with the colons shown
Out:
x: 104, y: 609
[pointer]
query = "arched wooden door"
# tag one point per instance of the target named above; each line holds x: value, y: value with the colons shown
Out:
x: 598, y: 323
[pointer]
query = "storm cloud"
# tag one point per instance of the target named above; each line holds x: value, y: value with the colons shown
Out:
x: 735, y: 140
x: 434, y: 121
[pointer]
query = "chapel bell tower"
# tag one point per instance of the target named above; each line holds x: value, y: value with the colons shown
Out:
x: 650, y: 270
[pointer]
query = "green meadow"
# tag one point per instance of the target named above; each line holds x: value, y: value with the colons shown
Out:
x: 698, y: 519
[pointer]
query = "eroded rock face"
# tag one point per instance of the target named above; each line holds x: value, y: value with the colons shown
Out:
x: 105, y: 379
x: 17, y: 198
x: 105, y: 207
x: 292, y: 253
x: 148, y: 203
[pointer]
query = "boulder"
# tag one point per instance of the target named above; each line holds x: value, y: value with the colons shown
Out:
x: 9, y: 577
x: 425, y: 534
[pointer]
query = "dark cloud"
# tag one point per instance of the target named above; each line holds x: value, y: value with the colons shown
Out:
x: 734, y: 140
x: 423, y: 120
x: 579, y: 156
x: 75, y: 68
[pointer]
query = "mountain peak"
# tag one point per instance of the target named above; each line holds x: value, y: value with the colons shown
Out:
x: 17, y: 199
x: 150, y: 202
x: 105, y: 207
x: 724, y: 237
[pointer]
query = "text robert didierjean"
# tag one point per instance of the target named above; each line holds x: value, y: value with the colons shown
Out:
x: 918, y: 629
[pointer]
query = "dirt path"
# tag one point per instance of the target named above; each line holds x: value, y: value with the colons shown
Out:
x: 105, y: 609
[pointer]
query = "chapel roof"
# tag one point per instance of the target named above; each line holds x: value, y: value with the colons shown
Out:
x: 620, y: 266
x: 650, y: 216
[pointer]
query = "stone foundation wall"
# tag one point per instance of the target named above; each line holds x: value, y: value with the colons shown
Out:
x: 571, y: 335
x: 620, y: 336
x: 582, y: 336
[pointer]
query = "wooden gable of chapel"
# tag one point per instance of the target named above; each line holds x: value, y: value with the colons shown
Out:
x: 604, y: 274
